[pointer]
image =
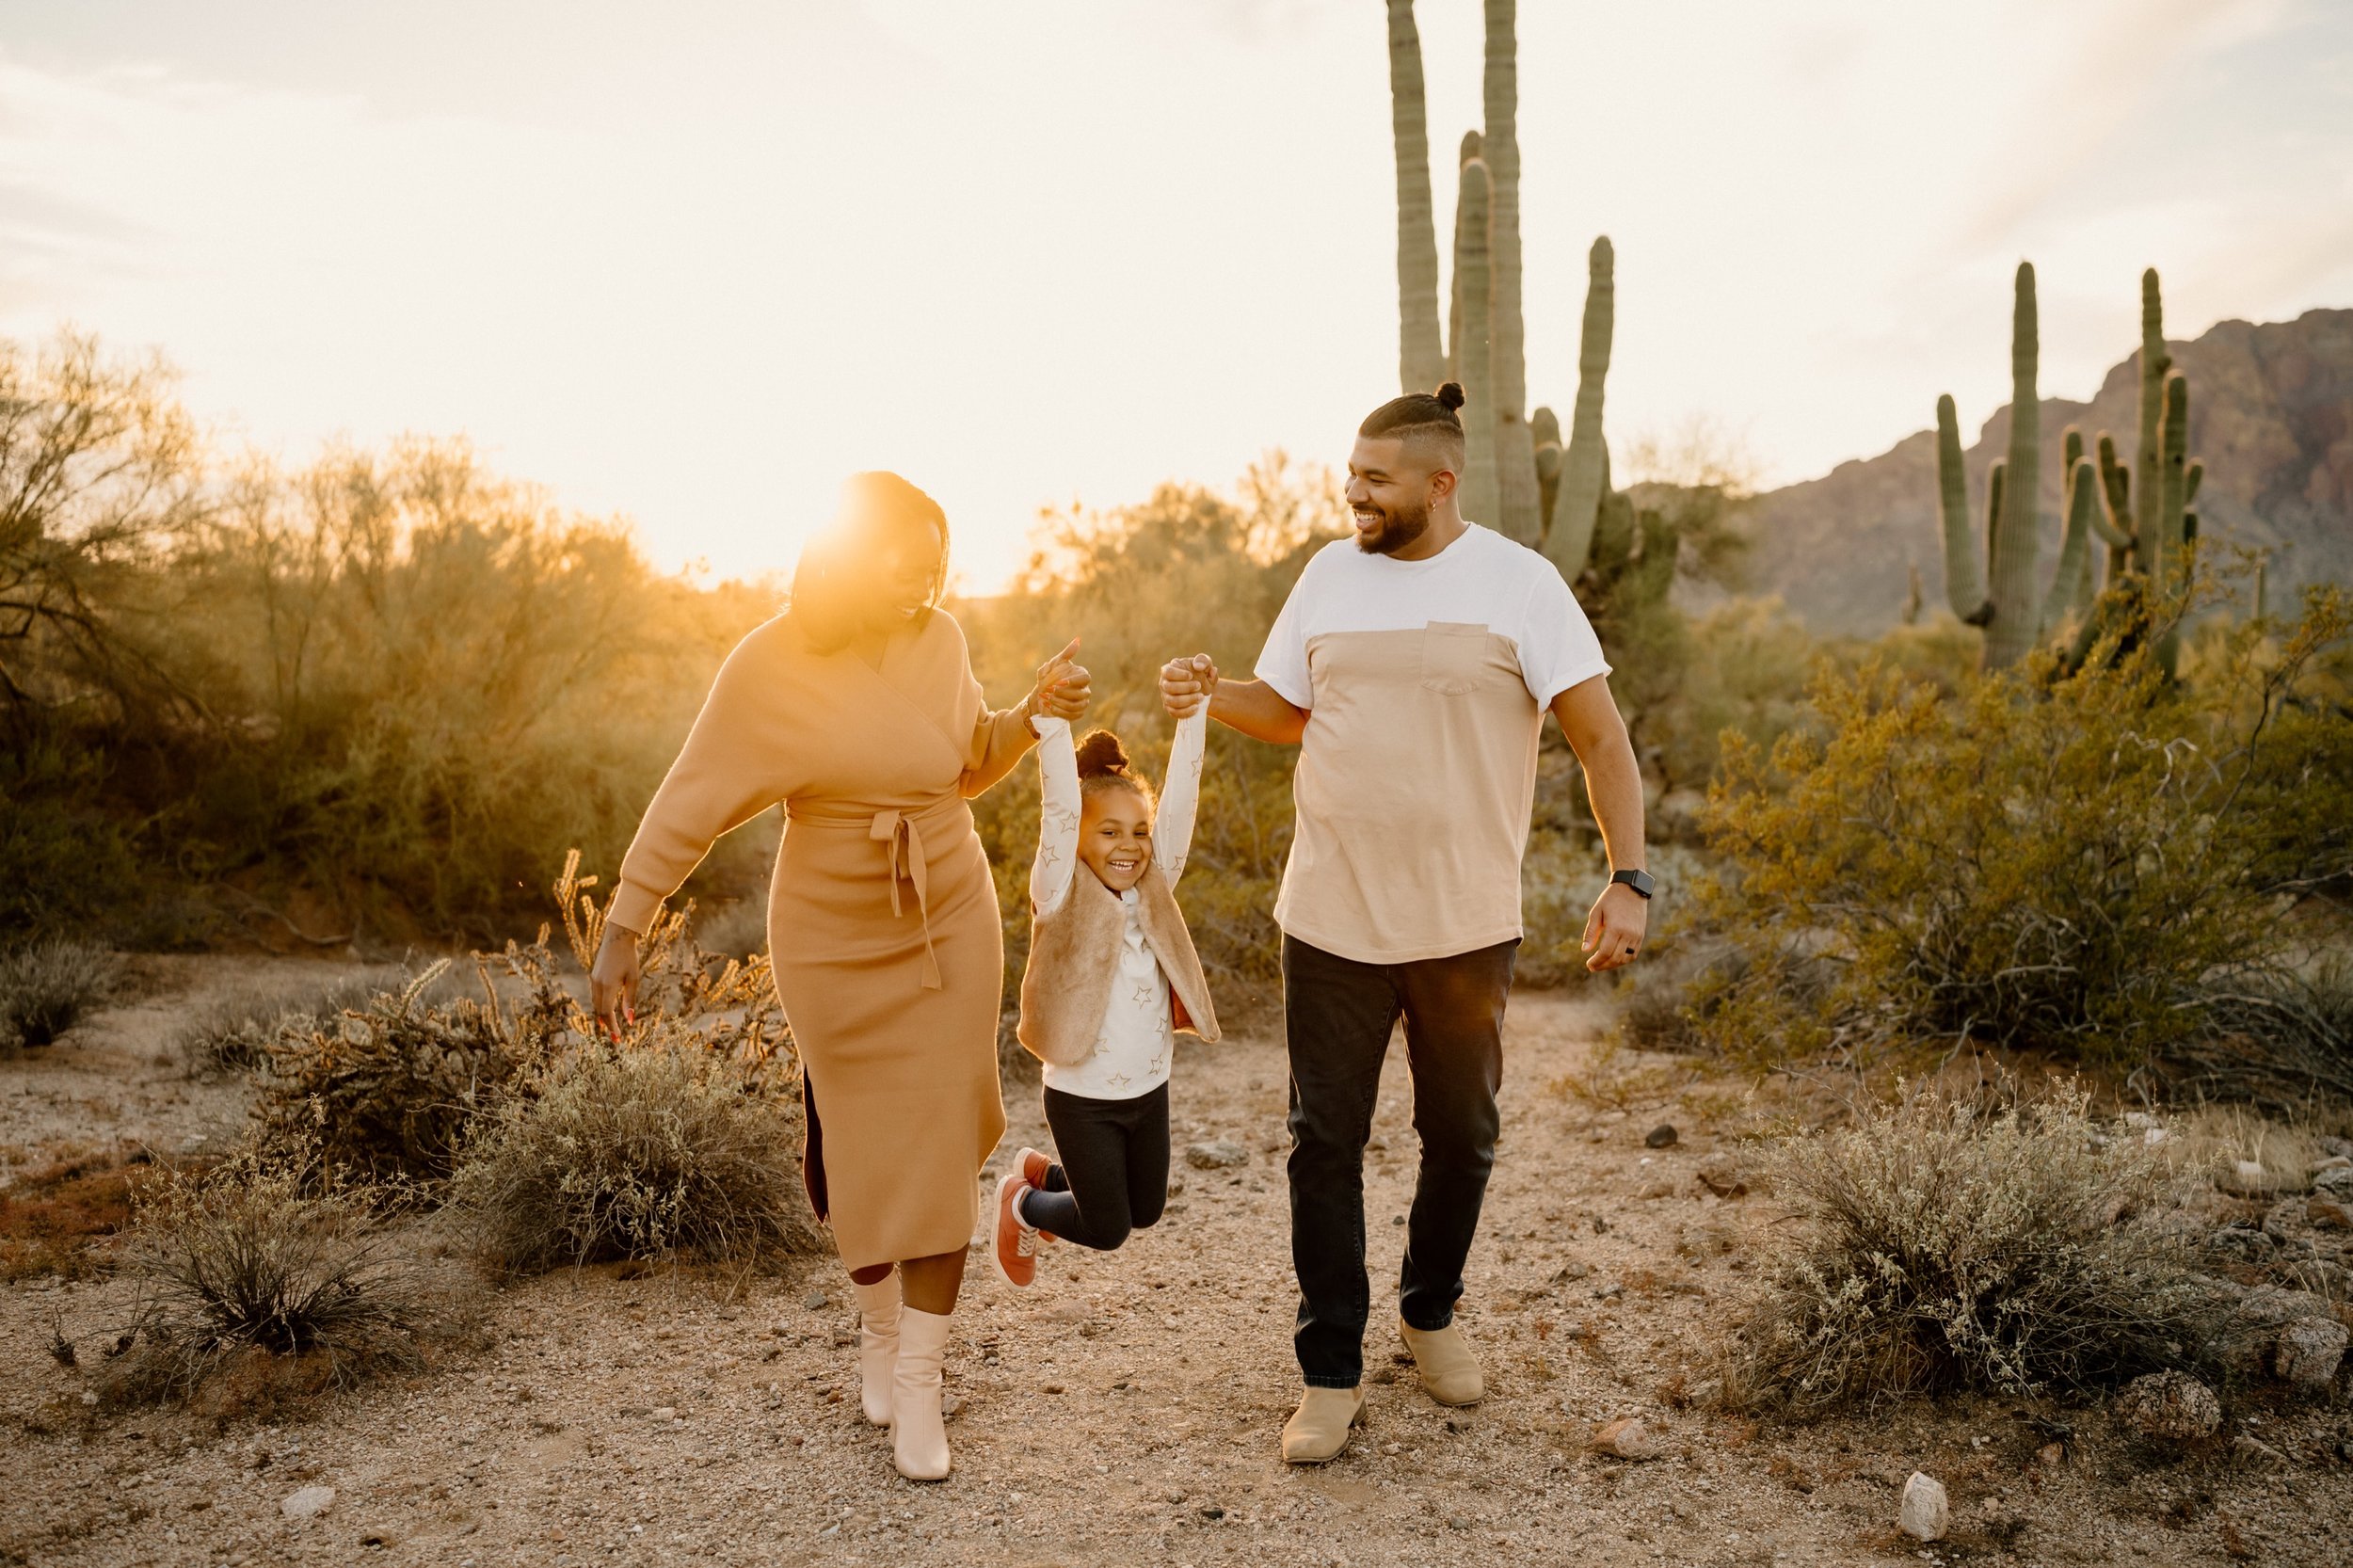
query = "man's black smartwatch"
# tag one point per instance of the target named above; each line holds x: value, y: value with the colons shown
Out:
x: 1641, y: 882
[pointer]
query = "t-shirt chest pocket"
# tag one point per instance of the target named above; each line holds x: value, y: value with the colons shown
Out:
x: 1453, y: 657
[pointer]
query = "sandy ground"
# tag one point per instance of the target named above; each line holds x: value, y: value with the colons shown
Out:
x: 1124, y: 1409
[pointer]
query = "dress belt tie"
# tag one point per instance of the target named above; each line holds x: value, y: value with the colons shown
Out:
x: 892, y: 829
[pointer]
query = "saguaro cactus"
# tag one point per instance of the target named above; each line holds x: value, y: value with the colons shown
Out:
x: 1473, y: 270
x: 1583, y: 465
x: 2154, y: 364
x: 1519, y: 515
x: 1421, y: 358
x: 2017, y: 622
x: 1544, y: 425
x: 1472, y: 146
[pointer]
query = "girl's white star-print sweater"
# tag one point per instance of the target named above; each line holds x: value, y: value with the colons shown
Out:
x: 1138, y: 1039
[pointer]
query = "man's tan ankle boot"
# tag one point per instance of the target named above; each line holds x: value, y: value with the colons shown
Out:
x: 1318, y: 1429
x: 1449, y: 1372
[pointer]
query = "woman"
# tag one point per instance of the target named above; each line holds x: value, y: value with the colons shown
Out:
x: 857, y: 708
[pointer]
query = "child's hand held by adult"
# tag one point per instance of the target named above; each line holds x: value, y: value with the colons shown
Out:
x: 1186, y: 683
x: 1063, y: 686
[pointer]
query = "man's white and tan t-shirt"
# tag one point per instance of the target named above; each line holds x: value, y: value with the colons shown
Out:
x: 1426, y: 684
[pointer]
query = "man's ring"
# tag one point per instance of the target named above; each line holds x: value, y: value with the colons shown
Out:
x: 1629, y: 953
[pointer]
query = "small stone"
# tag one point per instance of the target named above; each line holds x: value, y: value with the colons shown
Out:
x: 2335, y: 1180
x: 2053, y: 1454
x: 1210, y: 1510
x: 2328, y: 1213
x: 2308, y: 1352
x: 2248, y: 1174
x: 2169, y: 1407
x: 816, y: 1301
x: 2252, y: 1454
x: 1925, y: 1513
x: 1626, y: 1437
x: 89, y: 1397
x: 1217, y: 1154
x: 1660, y: 1137
x: 664, y: 1413
x: 2339, y: 1148
x: 948, y: 1406
x: 307, y: 1503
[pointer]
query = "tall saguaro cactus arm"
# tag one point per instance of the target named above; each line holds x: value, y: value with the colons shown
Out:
x: 2155, y: 363
x: 1964, y: 580
x: 1472, y: 358
x: 1520, y: 514
x: 1421, y: 358
x: 2010, y: 563
x: 2083, y: 503
x: 1572, y: 511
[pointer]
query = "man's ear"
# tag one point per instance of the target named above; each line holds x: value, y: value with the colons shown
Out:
x: 1441, y: 484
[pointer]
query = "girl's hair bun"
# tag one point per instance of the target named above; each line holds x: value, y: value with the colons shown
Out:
x: 1449, y: 395
x: 1101, y: 756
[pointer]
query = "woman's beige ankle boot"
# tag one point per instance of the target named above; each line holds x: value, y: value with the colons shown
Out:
x: 877, y: 1344
x: 918, y: 1434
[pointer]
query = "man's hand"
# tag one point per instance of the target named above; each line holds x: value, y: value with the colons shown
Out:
x: 613, y: 980
x: 1064, y: 687
x: 1613, y: 933
x: 1188, y: 683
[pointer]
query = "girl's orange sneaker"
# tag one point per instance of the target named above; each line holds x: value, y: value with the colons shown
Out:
x: 1014, y: 1248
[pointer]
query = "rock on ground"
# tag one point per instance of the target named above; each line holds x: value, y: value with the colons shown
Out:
x: 2308, y: 1352
x: 1217, y: 1154
x: 2169, y: 1407
x: 1925, y: 1513
x: 309, y: 1501
x: 1626, y: 1437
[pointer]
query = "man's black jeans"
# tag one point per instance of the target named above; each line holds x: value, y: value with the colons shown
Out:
x: 1337, y: 1014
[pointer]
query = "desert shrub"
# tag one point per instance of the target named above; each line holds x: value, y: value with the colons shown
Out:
x: 273, y: 1261
x: 48, y: 987
x: 1945, y: 1245
x: 383, y: 1092
x: 232, y: 1030
x: 2071, y: 861
x: 646, y: 1151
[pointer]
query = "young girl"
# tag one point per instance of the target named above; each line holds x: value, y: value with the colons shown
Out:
x: 1111, y: 977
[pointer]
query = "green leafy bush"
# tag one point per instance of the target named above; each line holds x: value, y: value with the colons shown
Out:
x: 48, y: 987
x: 2076, y: 862
x: 1946, y: 1245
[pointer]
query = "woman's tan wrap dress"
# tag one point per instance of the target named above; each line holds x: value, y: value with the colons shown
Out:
x: 882, y: 918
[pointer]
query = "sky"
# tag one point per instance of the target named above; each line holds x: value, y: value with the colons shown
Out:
x: 693, y: 262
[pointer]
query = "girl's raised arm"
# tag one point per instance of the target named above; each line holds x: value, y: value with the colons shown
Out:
x: 1057, y: 814
x: 1180, y: 794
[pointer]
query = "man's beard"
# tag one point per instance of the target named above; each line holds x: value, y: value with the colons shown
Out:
x: 1398, y: 528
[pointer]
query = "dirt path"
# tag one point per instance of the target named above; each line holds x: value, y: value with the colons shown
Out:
x: 1125, y: 1409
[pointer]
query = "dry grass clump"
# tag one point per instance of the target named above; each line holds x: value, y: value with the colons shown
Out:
x: 267, y: 1272
x: 1948, y: 1245
x: 47, y: 988
x: 646, y: 1151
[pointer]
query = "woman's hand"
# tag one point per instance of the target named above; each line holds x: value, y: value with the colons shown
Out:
x: 1613, y: 933
x: 1187, y: 684
x: 613, y: 980
x: 1063, y: 689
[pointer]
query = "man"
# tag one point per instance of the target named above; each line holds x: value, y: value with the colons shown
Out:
x: 1414, y: 666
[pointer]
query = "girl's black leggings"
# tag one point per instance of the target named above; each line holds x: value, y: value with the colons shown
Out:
x: 1113, y: 1175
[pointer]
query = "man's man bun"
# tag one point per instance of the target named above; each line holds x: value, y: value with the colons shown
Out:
x: 1449, y: 395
